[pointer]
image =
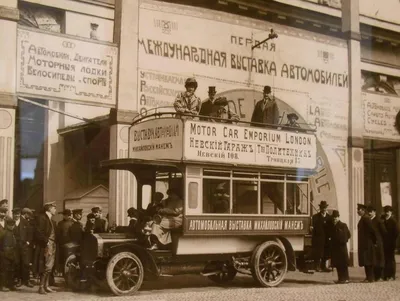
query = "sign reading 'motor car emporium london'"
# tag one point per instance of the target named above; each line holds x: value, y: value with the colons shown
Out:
x: 64, y: 68
x: 249, y: 145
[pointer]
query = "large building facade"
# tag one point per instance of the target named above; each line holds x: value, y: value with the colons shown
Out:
x: 71, y: 83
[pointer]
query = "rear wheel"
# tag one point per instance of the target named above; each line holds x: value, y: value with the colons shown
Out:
x: 225, y: 275
x: 124, y: 273
x: 269, y: 264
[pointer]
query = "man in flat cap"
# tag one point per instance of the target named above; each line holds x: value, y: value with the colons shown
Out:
x: 46, y: 246
x: 367, y: 242
x: 340, y: 255
x: 207, y: 106
x: 76, y: 229
x: 321, y: 235
x: 187, y: 102
x: 266, y: 110
x: 25, y: 245
x: 100, y: 223
x: 389, y: 243
x: 222, y: 112
x: 63, y: 236
x: 380, y: 232
x: 8, y: 258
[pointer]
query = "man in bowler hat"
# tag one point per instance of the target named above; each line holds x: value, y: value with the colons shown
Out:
x: 367, y: 242
x: 321, y: 235
x: 266, y: 110
x: 389, y: 243
x: 340, y: 255
x: 208, y: 105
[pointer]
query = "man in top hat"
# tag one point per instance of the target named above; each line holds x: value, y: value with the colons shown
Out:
x: 45, y: 251
x: 76, y: 229
x: 187, y: 102
x: 367, y: 241
x: 207, y: 106
x: 222, y: 112
x: 25, y: 245
x: 63, y: 236
x: 340, y: 255
x: 292, y: 120
x: 321, y: 235
x: 266, y: 110
x: 8, y: 257
x: 380, y: 232
x: 389, y: 243
x: 100, y: 223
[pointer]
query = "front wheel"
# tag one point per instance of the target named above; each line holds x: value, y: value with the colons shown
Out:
x: 124, y: 273
x: 269, y: 264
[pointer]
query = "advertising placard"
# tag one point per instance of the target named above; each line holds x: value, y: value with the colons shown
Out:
x: 380, y: 116
x: 156, y: 139
x: 218, y: 142
x: 66, y: 68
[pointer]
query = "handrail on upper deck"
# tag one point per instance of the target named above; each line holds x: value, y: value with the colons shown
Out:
x: 140, y: 117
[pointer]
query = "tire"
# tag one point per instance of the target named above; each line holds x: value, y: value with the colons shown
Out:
x: 124, y: 274
x: 72, y: 273
x: 269, y: 264
x: 226, y: 275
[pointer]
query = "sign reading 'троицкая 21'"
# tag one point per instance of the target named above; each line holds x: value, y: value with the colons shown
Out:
x: 61, y: 67
x: 226, y: 143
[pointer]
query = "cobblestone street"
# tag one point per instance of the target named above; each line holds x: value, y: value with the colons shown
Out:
x: 297, y: 287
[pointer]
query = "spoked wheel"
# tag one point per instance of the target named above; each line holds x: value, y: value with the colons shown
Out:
x: 124, y: 273
x: 269, y: 264
x: 72, y: 273
x: 227, y: 273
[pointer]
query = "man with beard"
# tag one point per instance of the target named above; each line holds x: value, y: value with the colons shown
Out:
x: 380, y: 232
x: 366, y: 243
x: 208, y: 105
x: 389, y: 243
x: 321, y: 235
x: 187, y: 103
x: 340, y: 255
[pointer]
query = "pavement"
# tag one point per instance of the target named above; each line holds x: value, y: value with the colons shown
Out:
x: 296, y: 287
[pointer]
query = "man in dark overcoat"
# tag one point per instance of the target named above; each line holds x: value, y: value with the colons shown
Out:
x: 3, y: 214
x: 380, y: 232
x: 8, y: 256
x: 76, y: 229
x: 25, y: 243
x: 389, y: 243
x: 340, y: 254
x: 208, y: 105
x: 366, y: 243
x: 45, y: 236
x: 321, y: 235
x: 63, y: 236
x: 266, y: 110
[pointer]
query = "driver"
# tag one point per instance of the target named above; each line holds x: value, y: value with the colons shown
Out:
x: 171, y: 218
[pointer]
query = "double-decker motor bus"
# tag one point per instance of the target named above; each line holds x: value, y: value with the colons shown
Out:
x: 246, y: 202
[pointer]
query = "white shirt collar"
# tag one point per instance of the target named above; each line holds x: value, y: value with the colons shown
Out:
x: 17, y: 222
x: 3, y: 222
x: 48, y: 214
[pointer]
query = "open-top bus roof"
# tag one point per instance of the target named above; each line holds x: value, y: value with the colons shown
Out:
x: 137, y: 165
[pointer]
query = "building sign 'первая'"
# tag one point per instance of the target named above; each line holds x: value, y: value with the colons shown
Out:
x: 60, y: 67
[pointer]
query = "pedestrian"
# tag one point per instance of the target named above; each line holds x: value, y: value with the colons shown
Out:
x: 389, y: 243
x: 321, y: 235
x: 45, y: 252
x: 63, y: 236
x: 26, y: 246
x: 4, y: 204
x: 380, y: 232
x: 187, y: 103
x: 16, y: 216
x: 340, y: 254
x: 76, y: 229
x: 208, y: 105
x: 266, y: 110
x: 366, y: 243
x: 222, y: 112
x: 100, y: 223
x: 8, y: 257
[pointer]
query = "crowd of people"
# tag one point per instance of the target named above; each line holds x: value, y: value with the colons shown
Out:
x: 376, y: 243
x: 216, y: 109
x: 31, y: 243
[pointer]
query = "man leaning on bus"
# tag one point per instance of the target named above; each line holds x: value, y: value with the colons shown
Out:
x: 187, y: 103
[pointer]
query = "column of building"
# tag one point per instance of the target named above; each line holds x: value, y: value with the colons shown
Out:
x: 351, y: 28
x: 9, y: 16
x: 122, y: 183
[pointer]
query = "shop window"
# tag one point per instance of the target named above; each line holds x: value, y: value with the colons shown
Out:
x: 192, y: 195
x: 216, y: 197
x: 272, y: 198
x: 42, y: 17
x: 245, y: 197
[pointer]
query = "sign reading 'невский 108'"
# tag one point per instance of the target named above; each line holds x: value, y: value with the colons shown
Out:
x: 249, y: 145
